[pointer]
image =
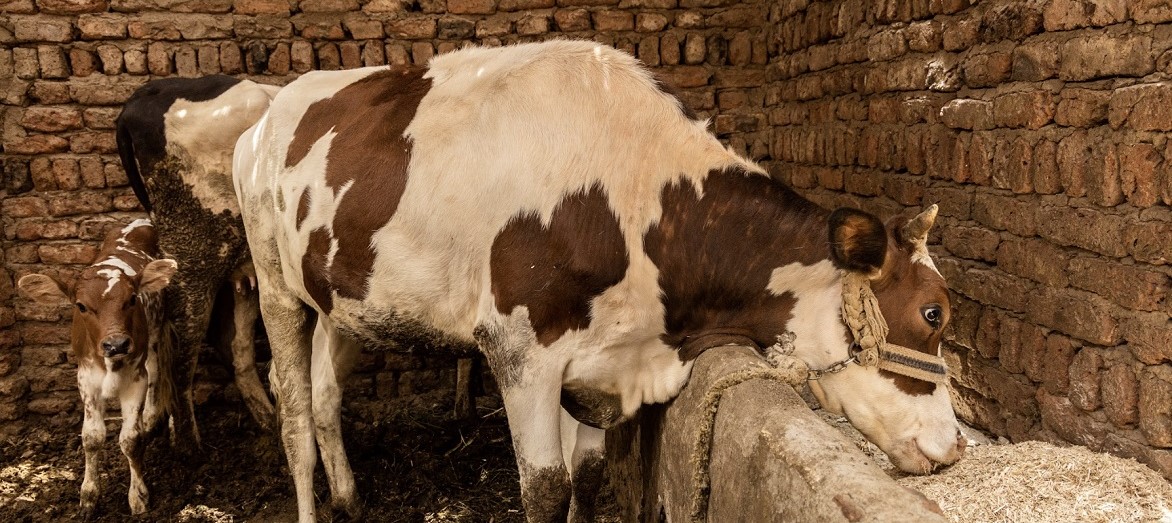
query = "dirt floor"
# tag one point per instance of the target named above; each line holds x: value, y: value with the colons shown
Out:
x: 412, y: 463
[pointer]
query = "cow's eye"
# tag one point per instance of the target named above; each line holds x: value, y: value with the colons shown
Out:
x: 130, y: 303
x: 81, y: 307
x: 933, y: 315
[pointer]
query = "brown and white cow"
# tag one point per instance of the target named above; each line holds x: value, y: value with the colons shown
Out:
x: 550, y: 204
x: 175, y: 138
x: 117, y: 342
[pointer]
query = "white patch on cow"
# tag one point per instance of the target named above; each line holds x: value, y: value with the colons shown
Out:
x: 922, y: 256
x: 120, y: 265
x: 112, y: 276
x: 201, y: 136
x: 111, y: 382
x: 815, y: 316
x: 141, y: 222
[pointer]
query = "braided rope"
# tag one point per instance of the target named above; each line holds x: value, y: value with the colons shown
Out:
x: 860, y: 311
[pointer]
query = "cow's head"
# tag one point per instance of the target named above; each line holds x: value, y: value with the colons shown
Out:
x: 911, y: 419
x: 108, y: 317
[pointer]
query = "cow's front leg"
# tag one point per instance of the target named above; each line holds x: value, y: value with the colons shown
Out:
x: 132, y: 397
x: 93, y: 434
x: 530, y: 381
x: 333, y: 358
x: 244, y: 312
x: 584, y: 451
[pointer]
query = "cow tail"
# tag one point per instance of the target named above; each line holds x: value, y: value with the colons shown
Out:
x: 165, y: 386
x: 130, y: 164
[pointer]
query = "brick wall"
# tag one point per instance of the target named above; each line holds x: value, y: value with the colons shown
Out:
x: 1041, y: 129
x: 66, y: 65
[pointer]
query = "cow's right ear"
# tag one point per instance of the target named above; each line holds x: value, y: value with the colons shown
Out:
x: 858, y: 240
x: 157, y: 275
x: 43, y: 289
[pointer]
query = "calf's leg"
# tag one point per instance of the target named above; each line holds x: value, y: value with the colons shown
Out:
x: 132, y: 396
x: 583, y: 448
x: 93, y: 434
x: 333, y: 359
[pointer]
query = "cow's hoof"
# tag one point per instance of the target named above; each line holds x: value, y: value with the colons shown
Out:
x: 138, y: 502
x: 87, y: 511
x: 351, y: 508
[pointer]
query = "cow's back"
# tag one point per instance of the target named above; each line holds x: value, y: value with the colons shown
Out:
x: 496, y: 135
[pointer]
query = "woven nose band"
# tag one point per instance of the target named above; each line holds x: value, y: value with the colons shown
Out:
x: 860, y: 311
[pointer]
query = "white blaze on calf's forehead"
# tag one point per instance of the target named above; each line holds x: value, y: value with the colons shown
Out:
x: 112, y: 277
x: 114, y: 274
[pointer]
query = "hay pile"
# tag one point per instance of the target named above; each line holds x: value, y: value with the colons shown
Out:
x: 1039, y: 482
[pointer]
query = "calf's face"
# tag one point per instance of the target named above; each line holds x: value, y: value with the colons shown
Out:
x: 108, y: 314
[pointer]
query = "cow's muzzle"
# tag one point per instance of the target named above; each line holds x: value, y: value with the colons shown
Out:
x: 117, y: 345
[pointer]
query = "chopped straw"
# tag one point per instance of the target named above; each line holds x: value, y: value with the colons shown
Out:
x: 1039, y: 482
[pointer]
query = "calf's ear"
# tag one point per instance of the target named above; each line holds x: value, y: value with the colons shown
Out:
x: 157, y: 275
x: 43, y: 289
x: 858, y: 240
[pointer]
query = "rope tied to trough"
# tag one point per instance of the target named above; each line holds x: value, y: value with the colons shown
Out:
x: 784, y: 368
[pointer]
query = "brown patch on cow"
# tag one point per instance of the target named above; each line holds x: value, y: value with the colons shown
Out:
x: 314, y: 272
x: 716, y: 255
x: 555, y: 271
x: 302, y: 207
x: 370, y: 152
x: 904, y: 288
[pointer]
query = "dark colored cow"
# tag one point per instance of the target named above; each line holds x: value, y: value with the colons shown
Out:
x: 175, y: 137
x: 552, y: 205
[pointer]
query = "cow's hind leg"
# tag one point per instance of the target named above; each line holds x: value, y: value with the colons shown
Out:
x: 244, y: 312
x: 132, y: 396
x: 530, y: 380
x: 333, y: 358
x: 289, y: 326
x: 93, y: 435
x: 584, y: 451
x: 189, y: 301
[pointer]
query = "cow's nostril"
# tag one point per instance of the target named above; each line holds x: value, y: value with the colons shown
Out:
x: 116, y: 345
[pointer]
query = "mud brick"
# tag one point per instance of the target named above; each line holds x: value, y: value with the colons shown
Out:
x: 54, y: 64
x: 1164, y: 176
x: 261, y: 7
x: 82, y: 202
x: 1084, y: 379
x: 987, y: 70
x: 159, y: 59
x: 412, y: 28
x: 110, y: 58
x: 22, y: 207
x: 1034, y: 259
x: 1139, y: 164
x: 351, y: 53
x: 364, y: 29
x: 1082, y: 227
x: 1013, y: 166
x: 1057, y: 363
x: 455, y: 28
x: 50, y: 92
x: 301, y: 56
x: 1029, y: 109
x: 126, y: 202
x: 264, y: 26
x: 472, y: 7
x: 208, y: 59
x: 1102, y: 55
x: 1155, y: 405
x: 93, y: 172
x: 397, y: 55
x: 67, y: 174
x: 1076, y: 313
x: 1045, y: 177
x: 51, y: 118
x: 328, y: 6
x: 967, y: 113
x: 71, y: 253
x: 93, y: 142
x: 186, y: 62
x: 1145, y: 107
x: 154, y: 27
x: 1011, y: 331
x: 1151, y: 11
x: 102, y: 26
x: 995, y: 288
x: 569, y: 20
x: 1131, y: 286
x: 13, y: 386
x: 613, y: 21
x: 328, y: 57
x: 1063, y: 15
x: 686, y: 76
x: 695, y: 49
x: 421, y: 52
x: 1060, y: 416
x: 1034, y: 62
x: 115, y: 176
x: 136, y: 61
x: 43, y: 29
x: 37, y: 144
x: 1120, y: 395
x: 319, y: 27
x: 538, y: 24
x: 974, y: 243
x: 1149, y: 241
x: 522, y: 5
x: 372, y: 54
x: 649, y: 50
x: 71, y: 7
x: 493, y: 26
x: 1016, y: 216
x: 43, y: 177
x: 650, y: 22
x: 1082, y: 108
x: 25, y: 63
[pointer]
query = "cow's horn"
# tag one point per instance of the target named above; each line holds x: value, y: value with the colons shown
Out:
x: 916, y: 229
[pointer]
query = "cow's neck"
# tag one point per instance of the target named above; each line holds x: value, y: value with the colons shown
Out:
x: 720, y: 252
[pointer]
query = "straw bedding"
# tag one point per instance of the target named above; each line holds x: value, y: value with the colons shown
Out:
x: 1035, y: 481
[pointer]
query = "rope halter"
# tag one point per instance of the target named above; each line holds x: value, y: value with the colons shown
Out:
x: 860, y: 311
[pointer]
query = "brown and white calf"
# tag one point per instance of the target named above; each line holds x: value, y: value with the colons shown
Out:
x: 118, y: 344
x: 552, y: 205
